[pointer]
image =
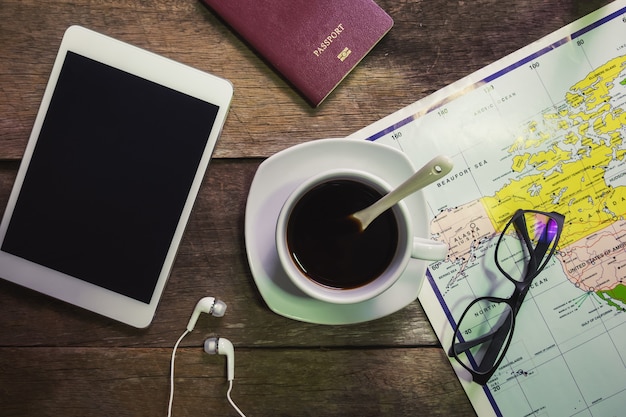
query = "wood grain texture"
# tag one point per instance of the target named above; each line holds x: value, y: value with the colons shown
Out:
x: 432, y: 44
x: 94, y: 382
x: 56, y: 359
x: 211, y: 261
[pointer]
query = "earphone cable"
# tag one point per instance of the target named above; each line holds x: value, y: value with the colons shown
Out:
x: 230, y: 400
x: 169, y: 407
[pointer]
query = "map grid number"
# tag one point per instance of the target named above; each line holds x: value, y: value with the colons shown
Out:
x: 543, y: 129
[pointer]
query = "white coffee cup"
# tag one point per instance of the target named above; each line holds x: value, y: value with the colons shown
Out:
x: 408, y: 245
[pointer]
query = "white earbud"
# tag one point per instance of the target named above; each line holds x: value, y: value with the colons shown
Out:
x: 214, y: 345
x: 208, y: 305
x: 222, y: 346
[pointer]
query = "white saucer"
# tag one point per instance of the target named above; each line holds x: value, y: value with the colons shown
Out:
x: 275, y: 179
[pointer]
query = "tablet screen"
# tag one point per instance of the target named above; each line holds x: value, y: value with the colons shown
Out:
x: 109, y: 177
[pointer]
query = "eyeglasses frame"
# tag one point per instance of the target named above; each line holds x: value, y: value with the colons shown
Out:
x: 538, y: 260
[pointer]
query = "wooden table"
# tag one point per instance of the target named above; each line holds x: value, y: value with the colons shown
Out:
x: 59, y: 360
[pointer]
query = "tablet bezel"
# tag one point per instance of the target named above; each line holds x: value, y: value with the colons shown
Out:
x: 148, y: 66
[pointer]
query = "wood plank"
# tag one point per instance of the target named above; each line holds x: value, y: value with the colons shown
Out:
x: 134, y: 382
x: 430, y: 46
x: 56, y: 359
x: 211, y: 261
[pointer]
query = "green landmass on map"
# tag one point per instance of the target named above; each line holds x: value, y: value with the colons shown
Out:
x: 617, y: 293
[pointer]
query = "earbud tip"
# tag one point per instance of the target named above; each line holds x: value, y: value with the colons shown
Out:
x: 210, y: 345
x: 219, y: 308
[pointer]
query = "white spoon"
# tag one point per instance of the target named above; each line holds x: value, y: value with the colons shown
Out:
x: 429, y: 173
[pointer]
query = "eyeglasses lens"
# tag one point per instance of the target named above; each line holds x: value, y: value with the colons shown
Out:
x: 483, y: 334
x: 514, y: 252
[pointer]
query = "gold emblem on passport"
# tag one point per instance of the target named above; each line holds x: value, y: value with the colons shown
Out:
x: 344, y: 54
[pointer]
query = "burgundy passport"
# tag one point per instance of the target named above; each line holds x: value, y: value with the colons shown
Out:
x: 314, y: 44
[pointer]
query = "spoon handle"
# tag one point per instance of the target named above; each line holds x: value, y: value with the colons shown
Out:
x: 435, y: 169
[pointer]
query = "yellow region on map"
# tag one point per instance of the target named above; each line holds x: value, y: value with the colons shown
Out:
x: 560, y: 165
x: 594, y: 89
x: 576, y: 189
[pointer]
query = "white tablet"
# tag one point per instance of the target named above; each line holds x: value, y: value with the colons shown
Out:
x: 117, y: 154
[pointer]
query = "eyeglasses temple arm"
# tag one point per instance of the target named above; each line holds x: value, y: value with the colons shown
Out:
x: 539, y: 251
x: 497, y: 336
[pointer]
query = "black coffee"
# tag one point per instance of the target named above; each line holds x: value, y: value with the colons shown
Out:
x: 330, y: 248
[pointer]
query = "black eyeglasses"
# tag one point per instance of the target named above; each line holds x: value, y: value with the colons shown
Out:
x: 483, y: 334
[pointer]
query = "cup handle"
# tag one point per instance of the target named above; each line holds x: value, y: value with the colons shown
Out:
x: 428, y: 250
